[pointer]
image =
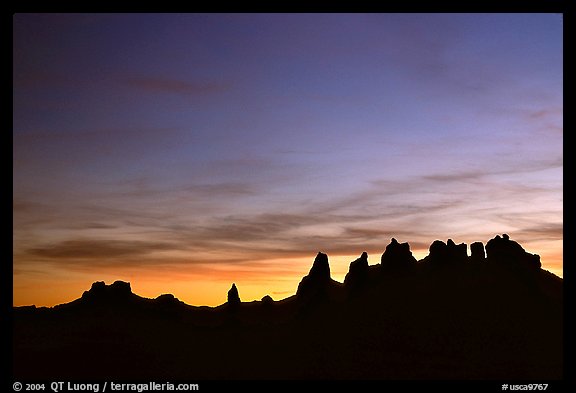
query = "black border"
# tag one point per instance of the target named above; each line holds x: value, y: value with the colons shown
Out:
x: 407, y: 6
x: 419, y: 6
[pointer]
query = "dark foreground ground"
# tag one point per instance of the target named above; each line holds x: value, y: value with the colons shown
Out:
x: 471, y: 322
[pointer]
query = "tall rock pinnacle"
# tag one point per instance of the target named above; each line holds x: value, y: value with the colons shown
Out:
x: 233, y: 296
x: 318, y: 278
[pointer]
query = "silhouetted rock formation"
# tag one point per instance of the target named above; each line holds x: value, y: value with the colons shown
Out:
x: 457, y: 252
x: 477, y: 252
x: 320, y: 270
x: 357, y: 272
x: 166, y: 299
x: 233, y: 296
x: 437, y: 251
x: 448, y: 254
x: 397, y: 257
x: 119, y: 291
x: 317, y: 286
x: 267, y: 300
x: 506, y: 252
x: 317, y: 278
x: 484, y: 322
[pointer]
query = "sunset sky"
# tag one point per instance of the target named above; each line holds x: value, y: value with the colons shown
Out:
x: 184, y: 152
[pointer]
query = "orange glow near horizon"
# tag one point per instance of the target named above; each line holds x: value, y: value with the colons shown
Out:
x: 186, y: 152
x: 278, y: 278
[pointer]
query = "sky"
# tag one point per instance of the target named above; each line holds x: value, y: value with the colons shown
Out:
x: 185, y: 152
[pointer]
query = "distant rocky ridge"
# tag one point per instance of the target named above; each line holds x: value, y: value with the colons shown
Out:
x: 397, y: 258
x: 493, y: 314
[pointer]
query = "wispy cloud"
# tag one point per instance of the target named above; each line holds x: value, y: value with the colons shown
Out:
x: 544, y: 231
x: 146, y: 188
x: 506, y: 169
x: 545, y: 113
x: 362, y: 220
x: 455, y: 176
x: 96, y: 225
x: 93, y: 249
x: 175, y: 86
